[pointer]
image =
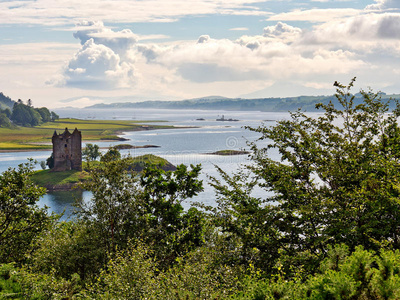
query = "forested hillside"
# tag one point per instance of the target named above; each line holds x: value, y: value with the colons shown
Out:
x: 5, y: 102
x: 19, y: 114
x: 306, y: 103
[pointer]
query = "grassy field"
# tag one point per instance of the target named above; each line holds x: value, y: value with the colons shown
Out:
x: 46, y: 177
x: 37, y: 138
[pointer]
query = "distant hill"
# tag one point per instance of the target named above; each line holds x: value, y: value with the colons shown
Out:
x: 306, y: 103
x: 6, y: 102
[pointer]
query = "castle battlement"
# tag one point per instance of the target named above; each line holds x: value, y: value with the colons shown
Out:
x: 67, y: 150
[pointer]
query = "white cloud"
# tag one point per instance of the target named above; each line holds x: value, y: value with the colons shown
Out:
x: 367, y: 30
x: 271, y: 55
x: 239, y: 29
x: 281, y: 29
x: 315, y: 15
x: 97, y: 67
x: 50, y: 12
x: 384, y: 5
x: 120, y: 42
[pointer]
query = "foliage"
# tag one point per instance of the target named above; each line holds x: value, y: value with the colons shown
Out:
x: 54, y: 116
x: 138, y: 163
x: 27, y: 115
x: 20, y: 218
x: 112, y: 154
x: 44, y: 114
x: 133, y: 274
x: 69, y: 248
x: 337, y: 182
x: 91, y: 152
x: 4, y: 120
x: 50, y: 161
x: 43, y: 164
x: 360, y: 275
x: 5, y: 102
x: 9, y: 283
x: 145, y: 206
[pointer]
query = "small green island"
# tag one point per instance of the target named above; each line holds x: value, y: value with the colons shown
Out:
x: 70, y: 179
x: 229, y: 152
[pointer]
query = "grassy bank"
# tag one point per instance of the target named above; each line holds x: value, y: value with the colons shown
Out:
x: 67, y: 179
x: 39, y: 138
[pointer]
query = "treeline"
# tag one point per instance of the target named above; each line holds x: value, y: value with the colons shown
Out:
x: 25, y: 115
x: 306, y: 103
x: 328, y: 226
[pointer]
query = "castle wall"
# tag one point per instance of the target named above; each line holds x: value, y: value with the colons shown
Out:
x: 67, y: 151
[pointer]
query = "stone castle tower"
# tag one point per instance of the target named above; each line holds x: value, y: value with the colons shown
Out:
x: 67, y: 150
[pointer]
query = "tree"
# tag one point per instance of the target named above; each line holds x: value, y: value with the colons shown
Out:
x: 44, y: 114
x: 4, y: 121
x: 54, y: 116
x: 146, y: 206
x: 112, y: 154
x: 25, y: 115
x: 21, y: 220
x: 20, y: 114
x: 50, y: 161
x: 336, y: 182
x: 91, y: 152
x: 6, y: 111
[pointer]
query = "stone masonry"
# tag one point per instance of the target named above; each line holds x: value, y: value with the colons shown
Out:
x: 67, y: 150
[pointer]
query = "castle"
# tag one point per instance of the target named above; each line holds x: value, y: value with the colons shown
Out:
x: 67, y: 150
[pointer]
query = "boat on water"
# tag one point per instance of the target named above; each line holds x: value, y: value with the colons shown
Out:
x: 229, y: 120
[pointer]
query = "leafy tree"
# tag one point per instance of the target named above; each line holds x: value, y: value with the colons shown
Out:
x: 36, y: 117
x: 25, y: 115
x: 145, y: 206
x: 112, y: 154
x: 20, y: 218
x: 336, y: 182
x: 54, y: 116
x: 6, y: 111
x: 5, y: 121
x: 20, y: 114
x: 44, y: 114
x: 91, y: 152
x: 68, y: 248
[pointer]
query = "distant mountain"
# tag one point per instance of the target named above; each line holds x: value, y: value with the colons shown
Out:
x: 6, y: 102
x: 306, y: 103
x: 288, y: 89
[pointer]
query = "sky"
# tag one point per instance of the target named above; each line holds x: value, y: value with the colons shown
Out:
x: 62, y: 53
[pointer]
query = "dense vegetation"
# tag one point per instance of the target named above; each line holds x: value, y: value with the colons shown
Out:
x: 5, y: 102
x: 327, y: 228
x: 18, y: 113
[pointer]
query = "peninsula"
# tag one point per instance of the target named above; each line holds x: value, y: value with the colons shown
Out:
x: 39, y: 137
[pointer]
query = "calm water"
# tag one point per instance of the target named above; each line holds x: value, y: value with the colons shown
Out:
x: 183, y: 145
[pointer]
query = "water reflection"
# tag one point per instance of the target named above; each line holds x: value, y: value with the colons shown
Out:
x: 61, y: 202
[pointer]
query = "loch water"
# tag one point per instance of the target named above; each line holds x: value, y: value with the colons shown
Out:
x: 198, y: 134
